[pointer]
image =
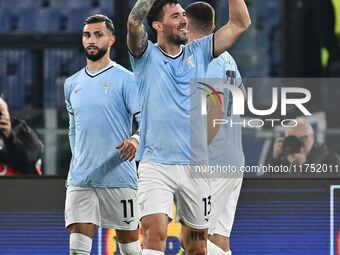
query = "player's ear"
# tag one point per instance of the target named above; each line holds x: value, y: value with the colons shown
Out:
x: 157, y: 26
x: 112, y: 40
x: 213, y: 28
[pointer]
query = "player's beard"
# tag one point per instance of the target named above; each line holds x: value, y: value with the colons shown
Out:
x: 100, y: 53
x: 178, y: 40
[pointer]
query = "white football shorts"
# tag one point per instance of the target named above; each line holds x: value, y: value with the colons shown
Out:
x: 114, y: 208
x: 160, y: 185
x: 225, y: 193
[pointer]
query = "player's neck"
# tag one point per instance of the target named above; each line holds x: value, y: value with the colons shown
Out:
x: 97, y: 65
x: 195, y: 36
x: 169, y: 48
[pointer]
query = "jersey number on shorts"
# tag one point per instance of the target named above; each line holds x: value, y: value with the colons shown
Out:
x: 207, y: 205
x: 231, y: 79
x: 125, y: 207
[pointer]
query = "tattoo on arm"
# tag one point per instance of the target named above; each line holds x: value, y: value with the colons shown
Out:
x: 137, y: 35
x: 140, y: 10
x: 144, y: 39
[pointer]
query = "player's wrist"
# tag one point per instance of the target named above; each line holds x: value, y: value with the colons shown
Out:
x: 136, y: 137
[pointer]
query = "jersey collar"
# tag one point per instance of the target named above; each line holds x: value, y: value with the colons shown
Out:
x: 168, y: 55
x: 94, y: 74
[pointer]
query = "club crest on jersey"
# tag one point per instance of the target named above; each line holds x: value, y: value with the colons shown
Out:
x: 189, y: 60
x: 107, y: 86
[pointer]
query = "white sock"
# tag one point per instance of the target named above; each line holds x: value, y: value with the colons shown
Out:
x: 227, y: 253
x: 151, y: 252
x: 132, y: 248
x: 80, y: 244
x: 213, y: 249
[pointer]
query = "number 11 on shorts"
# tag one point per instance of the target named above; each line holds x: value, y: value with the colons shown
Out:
x: 125, y: 209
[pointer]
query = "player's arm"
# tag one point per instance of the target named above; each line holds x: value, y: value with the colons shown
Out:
x: 238, y: 23
x: 72, y: 126
x: 72, y: 132
x: 215, y: 111
x: 137, y: 37
x: 243, y: 89
x: 128, y: 147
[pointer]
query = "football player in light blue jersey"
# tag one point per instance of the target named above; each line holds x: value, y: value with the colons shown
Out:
x: 163, y: 72
x: 102, y: 182
x: 226, y: 147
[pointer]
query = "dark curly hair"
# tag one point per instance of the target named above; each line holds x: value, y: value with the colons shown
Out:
x: 156, y: 12
x: 98, y: 18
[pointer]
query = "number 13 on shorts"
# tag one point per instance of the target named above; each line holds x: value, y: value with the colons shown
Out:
x: 207, y: 207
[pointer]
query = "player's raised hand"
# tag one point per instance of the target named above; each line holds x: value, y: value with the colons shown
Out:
x: 128, y: 149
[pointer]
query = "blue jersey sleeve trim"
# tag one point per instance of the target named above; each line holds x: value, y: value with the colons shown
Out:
x: 218, y: 92
x: 213, y: 46
x: 140, y: 55
x: 135, y: 113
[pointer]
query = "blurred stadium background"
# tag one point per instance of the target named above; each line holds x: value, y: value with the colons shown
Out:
x: 40, y: 45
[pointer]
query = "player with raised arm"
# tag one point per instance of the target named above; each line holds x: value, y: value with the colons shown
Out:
x: 226, y: 148
x: 102, y: 182
x: 170, y: 144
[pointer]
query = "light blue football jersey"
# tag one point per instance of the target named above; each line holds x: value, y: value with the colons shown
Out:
x: 169, y: 134
x: 101, y: 106
x: 226, y: 148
